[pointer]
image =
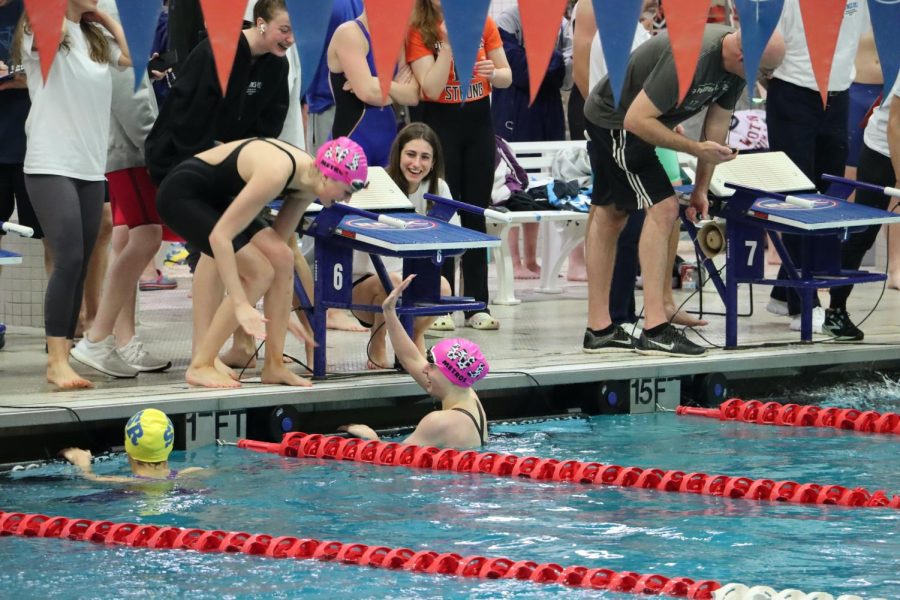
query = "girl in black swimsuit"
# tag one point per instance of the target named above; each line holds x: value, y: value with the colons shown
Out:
x: 213, y: 200
x: 447, y: 372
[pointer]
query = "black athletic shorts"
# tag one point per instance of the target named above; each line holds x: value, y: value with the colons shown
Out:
x: 627, y: 172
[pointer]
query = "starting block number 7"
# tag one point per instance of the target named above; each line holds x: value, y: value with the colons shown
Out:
x: 752, y: 245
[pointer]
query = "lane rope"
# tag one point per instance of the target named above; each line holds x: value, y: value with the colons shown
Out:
x: 303, y: 445
x: 796, y: 415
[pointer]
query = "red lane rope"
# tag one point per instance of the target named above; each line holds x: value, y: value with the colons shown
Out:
x: 303, y: 445
x: 795, y: 415
x: 422, y: 561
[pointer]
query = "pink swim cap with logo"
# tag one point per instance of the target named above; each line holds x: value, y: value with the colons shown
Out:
x: 460, y: 360
x: 344, y: 160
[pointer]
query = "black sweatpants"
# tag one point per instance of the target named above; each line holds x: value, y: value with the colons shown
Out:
x: 815, y: 138
x: 467, y: 138
x: 874, y: 167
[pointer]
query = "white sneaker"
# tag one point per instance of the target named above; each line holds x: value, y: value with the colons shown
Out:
x: 778, y: 307
x: 818, y: 319
x: 102, y: 356
x: 135, y: 356
x: 443, y: 323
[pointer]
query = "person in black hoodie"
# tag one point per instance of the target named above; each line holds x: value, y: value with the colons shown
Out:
x: 196, y: 117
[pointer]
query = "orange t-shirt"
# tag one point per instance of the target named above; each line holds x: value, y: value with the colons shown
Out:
x: 479, y: 86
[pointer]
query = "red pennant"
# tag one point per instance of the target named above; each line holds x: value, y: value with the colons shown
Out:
x: 388, y: 25
x: 46, y: 19
x: 686, y: 20
x: 541, y: 20
x: 822, y: 21
x: 223, y: 23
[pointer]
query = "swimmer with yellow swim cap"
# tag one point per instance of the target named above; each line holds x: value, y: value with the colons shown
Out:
x: 149, y: 438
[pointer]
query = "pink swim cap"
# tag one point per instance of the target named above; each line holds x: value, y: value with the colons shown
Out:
x: 460, y: 360
x: 344, y: 160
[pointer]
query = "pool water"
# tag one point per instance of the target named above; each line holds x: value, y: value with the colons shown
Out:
x: 830, y: 548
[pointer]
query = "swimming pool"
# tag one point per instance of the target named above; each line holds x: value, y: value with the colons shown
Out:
x: 835, y: 549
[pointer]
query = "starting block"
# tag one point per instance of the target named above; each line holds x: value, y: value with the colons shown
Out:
x: 11, y: 258
x: 765, y: 192
x: 423, y: 242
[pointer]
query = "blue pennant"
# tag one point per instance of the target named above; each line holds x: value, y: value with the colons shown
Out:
x: 758, y: 21
x: 139, y: 18
x: 465, y: 24
x: 616, y: 22
x: 309, y: 18
x: 886, y: 27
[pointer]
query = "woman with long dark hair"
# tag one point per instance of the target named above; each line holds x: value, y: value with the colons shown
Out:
x: 462, y: 121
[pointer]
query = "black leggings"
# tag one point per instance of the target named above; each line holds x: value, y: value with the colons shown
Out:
x: 188, y: 203
x: 876, y: 168
x: 69, y: 211
x: 467, y: 137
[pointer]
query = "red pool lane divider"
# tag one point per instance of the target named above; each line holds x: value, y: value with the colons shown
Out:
x: 303, y: 445
x: 795, y: 415
x: 422, y: 561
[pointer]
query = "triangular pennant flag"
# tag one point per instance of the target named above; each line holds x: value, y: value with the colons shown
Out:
x: 223, y: 24
x: 465, y: 25
x: 758, y: 21
x: 139, y: 18
x: 46, y: 19
x: 616, y: 22
x: 822, y: 21
x: 541, y: 20
x: 388, y: 25
x: 309, y: 18
x: 885, y: 16
x: 686, y: 21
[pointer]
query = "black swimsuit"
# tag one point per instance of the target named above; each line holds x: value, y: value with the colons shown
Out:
x: 479, y: 428
x: 195, y: 194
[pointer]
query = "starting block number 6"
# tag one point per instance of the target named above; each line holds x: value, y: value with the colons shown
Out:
x: 338, y: 278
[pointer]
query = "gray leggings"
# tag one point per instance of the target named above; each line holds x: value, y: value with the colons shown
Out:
x: 69, y: 211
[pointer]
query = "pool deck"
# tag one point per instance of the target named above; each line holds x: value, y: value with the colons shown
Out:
x: 539, y: 343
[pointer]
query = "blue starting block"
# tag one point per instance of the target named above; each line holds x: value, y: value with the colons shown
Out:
x: 824, y: 222
x: 423, y: 242
x: 11, y: 258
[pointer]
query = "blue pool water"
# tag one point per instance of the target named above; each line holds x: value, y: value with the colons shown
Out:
x: 835, y: 549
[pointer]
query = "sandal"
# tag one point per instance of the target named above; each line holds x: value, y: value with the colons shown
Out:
x: 443, y: 323
x: 482, y: 320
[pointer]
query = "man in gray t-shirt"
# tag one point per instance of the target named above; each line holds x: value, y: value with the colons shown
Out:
x: 629, y: 176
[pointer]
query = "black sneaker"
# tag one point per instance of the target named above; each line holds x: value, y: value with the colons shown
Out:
x: 838, y: 323
x: 619, y: 339
x: 670, y: 342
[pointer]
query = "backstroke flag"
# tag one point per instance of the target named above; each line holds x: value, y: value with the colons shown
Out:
x: 616, y: 21
x: 139, y: 18
x: 224, y: 19
x: 822, y: 21
x: 885, y: 16
x: 309, y: 20
x: 46, y: 20
x: 758, y: 21
x: 540, y: 37
x: 388, y: 25
x: 465, y: 24
x: 686, y: 21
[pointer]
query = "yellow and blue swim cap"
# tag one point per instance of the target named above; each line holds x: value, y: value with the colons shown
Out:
x: 149, y: 436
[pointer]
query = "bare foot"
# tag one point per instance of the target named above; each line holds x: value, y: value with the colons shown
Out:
x: 65, y: 378
x: 209, y: 377
x: 893, y: 281
x: 225, y: 369
x: 520, y: 272
x: 378, y: 363
x: 342, y: 320
x: 238, y: 359
x: 283, y: 376
x: 683, y: 318
x: 576, y: 275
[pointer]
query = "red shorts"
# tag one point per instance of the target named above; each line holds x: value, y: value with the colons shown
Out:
x: 132, y: 197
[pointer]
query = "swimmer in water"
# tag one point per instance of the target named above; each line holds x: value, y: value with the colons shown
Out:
x: 149, y: 438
